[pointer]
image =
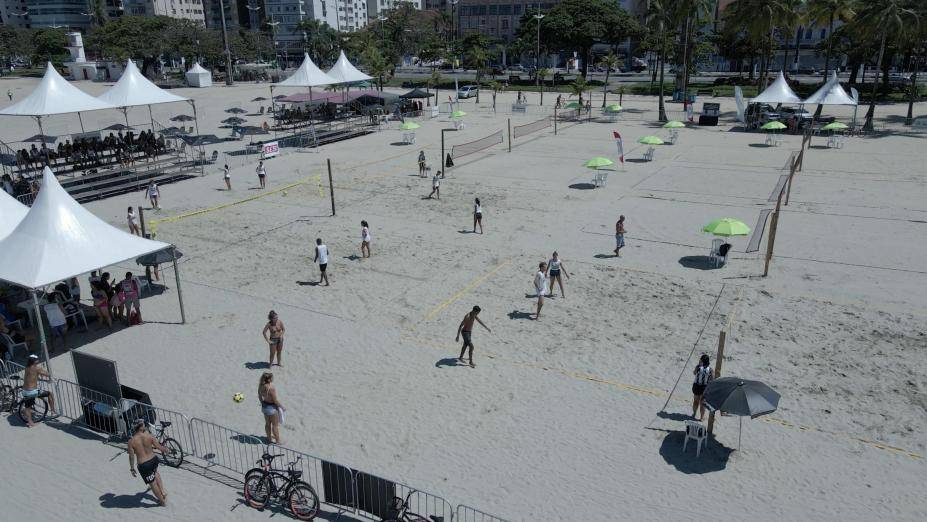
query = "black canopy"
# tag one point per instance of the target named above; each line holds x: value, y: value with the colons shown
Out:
x: 415, y: 94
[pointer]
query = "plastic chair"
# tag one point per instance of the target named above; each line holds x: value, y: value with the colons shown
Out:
x: 7, y: 341
x: 696, y: 432
x: 713, y: 254
x: 648, y: 156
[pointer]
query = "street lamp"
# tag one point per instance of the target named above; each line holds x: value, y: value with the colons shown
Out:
x: 273, y: 36
x: 228, y: 54
x: 537, y: 56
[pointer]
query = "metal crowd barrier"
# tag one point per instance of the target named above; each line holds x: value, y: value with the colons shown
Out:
x: 88, y: 408
x: 179, y: 429
x: 375, y: 495
x: 469, y: 514
x: 224, y: 447
x: 333, y: 482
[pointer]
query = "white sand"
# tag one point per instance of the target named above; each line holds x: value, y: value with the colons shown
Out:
x: 551, y: 425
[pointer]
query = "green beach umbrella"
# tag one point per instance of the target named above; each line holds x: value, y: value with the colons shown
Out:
x: 727, y: 227
x: 834, y: 126
x: 572, y: 105
x: 650, y: 140
x: 675, y: 124
x: 458, y: 114
x: 773, y: 125
x: 613, y: 108
x: 409, y: 125
x: 597, y: 162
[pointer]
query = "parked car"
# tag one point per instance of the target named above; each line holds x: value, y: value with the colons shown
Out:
x: 801, y: 115
x: 467, y: 91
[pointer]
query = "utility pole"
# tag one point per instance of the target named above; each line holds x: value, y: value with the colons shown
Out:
x: 228, y: 54
x: 537, y: 56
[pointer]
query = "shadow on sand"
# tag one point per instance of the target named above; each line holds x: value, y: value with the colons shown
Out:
x: 697, y: 262
x: 518, y: 314
x: 111, y: 500
x: 448, y: 361
x: 713, y: 457
x: 582, y: 186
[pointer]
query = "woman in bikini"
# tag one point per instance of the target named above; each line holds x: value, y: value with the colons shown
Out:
x: 270, y: 407
x: 477, y: 215
x: 273, y: 334
x: 101, y: 304
x: 556, y: 269
x: 365, y: 239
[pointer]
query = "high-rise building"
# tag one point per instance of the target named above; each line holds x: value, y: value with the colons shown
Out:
x: 495, y: 18
x: 284, y: 16
x: 15, y: 13
x: 375, y: 7
x: 185, y: 9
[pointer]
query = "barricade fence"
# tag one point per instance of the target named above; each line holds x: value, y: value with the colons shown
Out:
x: 339, y: 486
x: 464, y: 149
x: 469, y: 514
x: 523, y: 130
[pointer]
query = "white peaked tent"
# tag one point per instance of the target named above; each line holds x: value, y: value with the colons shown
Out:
x: 59, y: 239
x: 777, y: 92
x: 54, y: 95
x: 11, y: 213
x: 831, y: 93
x: 197, y: 76
x: 344, y: 72
x: 133, y: 89
x: 308, y: 75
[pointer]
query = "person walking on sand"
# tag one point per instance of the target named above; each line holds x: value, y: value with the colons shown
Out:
x: 540, y: 285
x: 554, y: 269
x: 273, y: 333
x: 321, y: 255
x: 154, y: 195
x: 227, y: 176
x: 619, y: 236
x: 436, y: 185
x: 477, y: 215
x: 141, y: 447
x: 466, y: 328
x: 9, y: 94
x: 421, y: 164
x: 132, y: 219
x: 31, y: 376
x: 365, y: 239
x: 270, y: 407
x: 261, y: 174
x: 703, y: 375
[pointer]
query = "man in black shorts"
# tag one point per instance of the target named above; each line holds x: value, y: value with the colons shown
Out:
x: 141, y: 445
x: 466, y: 328
x: 321, y: 256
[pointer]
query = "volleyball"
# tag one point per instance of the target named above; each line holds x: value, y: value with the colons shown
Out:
x: 238, y: 397
x: 284, y: 193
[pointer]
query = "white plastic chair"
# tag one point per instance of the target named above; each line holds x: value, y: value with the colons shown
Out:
x: 459, y: 124
x: 648, y: 156
x: 78, y: 313
x: 11, y: 347
x: 696, y: 432
x: 601, y: 177
x: 713, y: 255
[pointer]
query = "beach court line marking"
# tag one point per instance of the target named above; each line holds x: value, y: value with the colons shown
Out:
x: 470, y: 286
x: 661, y: 393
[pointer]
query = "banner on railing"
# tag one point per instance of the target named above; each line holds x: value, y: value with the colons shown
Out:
x: 270, y: 150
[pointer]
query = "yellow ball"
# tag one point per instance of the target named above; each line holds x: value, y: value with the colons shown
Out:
x: 238, y: 397
x: 284, y: 193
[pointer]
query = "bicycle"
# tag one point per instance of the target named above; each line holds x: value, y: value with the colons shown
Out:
x: 175, y: 458
x: 399, y: 511
x: 265, y: 483
x: 11, y: 399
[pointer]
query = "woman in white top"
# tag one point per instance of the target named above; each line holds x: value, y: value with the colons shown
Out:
x: 133, y: 222
x: 477, y: 216
x: 540, y: 286
x: 435, y: 185
x: 154, y: 195
x: 227, y: 176
x: 321, y: 255
x: 57, y: 323
x: 365, y: 239
x: 555, y: 267
x: 261, y: 173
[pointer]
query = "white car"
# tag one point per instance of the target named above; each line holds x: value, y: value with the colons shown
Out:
x: 467, y: 91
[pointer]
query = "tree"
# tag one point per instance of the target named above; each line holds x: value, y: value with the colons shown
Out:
x: 376, y: 63
x: 49, y: 44
x: 434, y: 81
x: 609, y: 61
x: 578, y: 87
x: 658, y: 17
x: 15, y: 43
x: 139, y: 37
x: 687, y: 15
x: 758, y: 19
x: 542, y: 73
x: 577, y: 25
x: 476, y: 55
x: 322, y: 42
x: 830, y: 11
x: 885, y: 18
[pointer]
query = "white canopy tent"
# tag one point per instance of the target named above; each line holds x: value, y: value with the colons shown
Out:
x: 133, y: 89
x: 59, y: 239
x: 831, y: 93
x: 11, y: 213
x: 55, y: 95
x: 344, y: 72
x: 777, y: 92
x: 197, y: 76
x: 308, y: 75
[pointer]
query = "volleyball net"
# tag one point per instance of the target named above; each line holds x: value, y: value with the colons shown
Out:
x: 464, y: 149
x: 523, y: 130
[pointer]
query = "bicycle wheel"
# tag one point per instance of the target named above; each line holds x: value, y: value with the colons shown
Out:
x: 304, y: 503
x: 39, y: 409
x: 257, y: 489
x: 7, y: 398
x: 174, y: 459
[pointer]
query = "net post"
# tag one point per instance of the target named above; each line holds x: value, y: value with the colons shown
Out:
x: 331, y: 184
x: 510, y: 134
x: 719, y: 359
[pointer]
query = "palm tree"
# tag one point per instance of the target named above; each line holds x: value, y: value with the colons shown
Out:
x: 609, y: 61
x: 688, y: 15
x: 376, y: 64
x: 658, y: 18
x: 434, y: 81
x: 759, y: 19
x: 831, y: 11
x: 542, y: 73
x: 884, y: 18
x: 478, y: 56
x: 578, y: 87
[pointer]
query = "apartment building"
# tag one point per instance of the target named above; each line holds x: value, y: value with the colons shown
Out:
x: 376, y: 7
x: 184, y: 9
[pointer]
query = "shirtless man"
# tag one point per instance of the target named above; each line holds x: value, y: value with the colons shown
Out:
x: 619, y: 235
x: 466, y: 328
x: 140, y: 446
x: 31, y: 390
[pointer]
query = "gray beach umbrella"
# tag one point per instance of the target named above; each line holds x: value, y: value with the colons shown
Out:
x: 741, y: 397
x: 159, y: 257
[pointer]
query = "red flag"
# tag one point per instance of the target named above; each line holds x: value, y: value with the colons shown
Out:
x: 620, y: 146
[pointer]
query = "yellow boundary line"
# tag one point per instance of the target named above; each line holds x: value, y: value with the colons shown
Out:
x: 470, y: 286
x: 660, y: 393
